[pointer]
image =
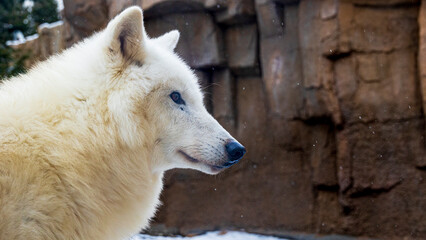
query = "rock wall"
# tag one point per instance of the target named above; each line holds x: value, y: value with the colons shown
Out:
x: 328, y: 96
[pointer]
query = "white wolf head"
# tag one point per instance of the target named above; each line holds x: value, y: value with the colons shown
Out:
x: 164, y: 104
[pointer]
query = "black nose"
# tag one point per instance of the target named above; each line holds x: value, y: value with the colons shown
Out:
x: 235, y: 151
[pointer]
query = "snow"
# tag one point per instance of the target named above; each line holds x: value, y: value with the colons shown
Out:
x: 21, y: 41
x: 51, y: 25
x: 31, y: 37
x: 60, y: 5
x: 232, y: 235
x: 28, y: 3
x: 18, y: 35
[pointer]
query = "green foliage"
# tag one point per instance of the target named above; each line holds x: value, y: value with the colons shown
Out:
x: 15, y: 17
x: 44, y: 11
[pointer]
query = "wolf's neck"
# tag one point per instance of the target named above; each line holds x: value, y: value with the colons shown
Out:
x: 112, y: 179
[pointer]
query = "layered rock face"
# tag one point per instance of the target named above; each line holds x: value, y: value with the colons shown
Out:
x: 328, y: 96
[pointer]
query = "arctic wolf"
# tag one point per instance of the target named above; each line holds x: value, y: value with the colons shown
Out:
x: 86, y: 136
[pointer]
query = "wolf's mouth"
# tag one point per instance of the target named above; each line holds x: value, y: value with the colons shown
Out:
x: 189, y: 158
x: 194, y: 160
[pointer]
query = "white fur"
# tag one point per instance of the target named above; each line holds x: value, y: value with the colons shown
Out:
x: 87, y: 135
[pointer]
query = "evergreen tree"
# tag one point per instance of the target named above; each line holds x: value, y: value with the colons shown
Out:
x: 44, y: 11
x: 13, y: 17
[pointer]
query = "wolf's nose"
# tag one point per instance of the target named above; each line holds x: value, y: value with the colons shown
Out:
x: 235, y: 151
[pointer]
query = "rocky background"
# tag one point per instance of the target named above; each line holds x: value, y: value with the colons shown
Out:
x: 328, y: 96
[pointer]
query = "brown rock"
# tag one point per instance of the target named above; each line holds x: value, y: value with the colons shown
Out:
x: 370, y: 67
x: 115, y: 7
x: 386, y: 30
x: 215, y: 5
x: 31, y: 49
x: 270, y: 18
x: 237, y: 11
x: 217, y: 202
x: 422, y: 57
x: 342, y: 42
x: 275, y: 159
x: 86, y: 16
x: 282, y: 69
x: 320, y: 100
x: 242, y: 50
x: 51, y: 40
x: 284, y: 1
x: 223, y: 99
x: 315, y: 104
x: 382, y: 3
x: 322, y: 147
x: 310, y: 30
x: 377, y: 176
x: 200, y: 44
x: 329, y: 39
x: 328, y: 9
x: 250, y: 99
x: 346, y: 82
x: 344, y: 164
x: 288, y: 134
x: 380, y: 154
x: 308, y: 25
x: 320, y: 97
x: 158, y: 8
x: 205, y: 80
x: 384, y: 91
x: 397, y: 213
x: 327, y: 212
x: 70, y: 34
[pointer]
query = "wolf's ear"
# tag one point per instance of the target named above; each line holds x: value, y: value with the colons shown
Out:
x: 169, y: 40
x: 127, y: 34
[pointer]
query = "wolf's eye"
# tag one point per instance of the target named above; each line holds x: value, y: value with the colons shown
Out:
x: 177, y: 98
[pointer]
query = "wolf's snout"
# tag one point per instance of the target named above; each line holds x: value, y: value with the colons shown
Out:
x: 235, y: 152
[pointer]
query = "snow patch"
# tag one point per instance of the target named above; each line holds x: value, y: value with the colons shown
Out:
x: 232, y: 235
x: 50, y: 25
x: 21, y: 41
x: 60, y: 5
x: 28, y: 4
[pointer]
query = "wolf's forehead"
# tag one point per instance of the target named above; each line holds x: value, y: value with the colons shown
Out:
x: 171, y: 67
x: 181, y: 75
x: 180, y: 72
x: 185, y: 83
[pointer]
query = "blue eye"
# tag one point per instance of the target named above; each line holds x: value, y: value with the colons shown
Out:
x: 177, y: 98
